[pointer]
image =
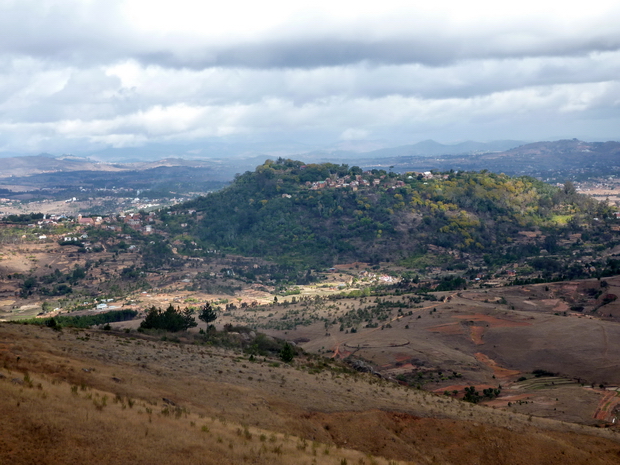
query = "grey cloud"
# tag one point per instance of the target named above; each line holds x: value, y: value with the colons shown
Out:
x: 221, y: 86
x: 70, y: 32
x: 333, y: 51
x: 97, y: 33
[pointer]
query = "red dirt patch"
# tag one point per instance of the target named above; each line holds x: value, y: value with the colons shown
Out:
x: 498, y: 371
x: 606, y: 409
x: 475, y: 332
x: 402, y: 358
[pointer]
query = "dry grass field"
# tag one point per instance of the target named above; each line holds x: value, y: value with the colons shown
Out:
x: 105, y: 397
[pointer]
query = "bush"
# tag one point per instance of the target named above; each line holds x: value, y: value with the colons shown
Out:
x: 207, y: 314
x: 51, y: 323
x: 264, y: 346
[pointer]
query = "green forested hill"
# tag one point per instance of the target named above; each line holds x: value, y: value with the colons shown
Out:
x: 318, y: 215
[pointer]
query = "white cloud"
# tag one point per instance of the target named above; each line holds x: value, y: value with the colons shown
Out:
x: 354, y: 134
x: 77, y: 74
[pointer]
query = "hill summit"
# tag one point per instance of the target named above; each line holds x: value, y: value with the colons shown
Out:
x: 322, y: 214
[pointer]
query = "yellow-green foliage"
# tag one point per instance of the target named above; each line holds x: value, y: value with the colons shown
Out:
x: 561, y: 219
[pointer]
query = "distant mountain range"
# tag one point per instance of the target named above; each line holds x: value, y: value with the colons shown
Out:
x: 507, y: 156
x: 287, y: 149
x: 429, y: 148
x: 536, y: 159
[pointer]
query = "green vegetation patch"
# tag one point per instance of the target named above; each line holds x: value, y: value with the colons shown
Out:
x: 84, y: 321
x: 422, y: 261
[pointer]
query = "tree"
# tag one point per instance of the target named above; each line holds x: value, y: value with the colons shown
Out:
x: 207, y: 313
x: 287, y: 353
x: 569, y: 188
x: 471, y: 395
x: 51, y: 323
x: 46, y: 307
x: 170, y: 320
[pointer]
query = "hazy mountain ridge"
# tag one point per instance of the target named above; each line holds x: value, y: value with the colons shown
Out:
x: 26, y: 166
x: 431, y: 148
x: 511, y: 157
x: 535, y: 159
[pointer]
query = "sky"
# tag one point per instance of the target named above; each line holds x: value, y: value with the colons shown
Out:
x: 86, y: 75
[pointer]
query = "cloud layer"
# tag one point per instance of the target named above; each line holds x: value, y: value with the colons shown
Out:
x: 81, y: 75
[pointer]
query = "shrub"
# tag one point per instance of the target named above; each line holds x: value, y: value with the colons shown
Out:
x: 51, y: 323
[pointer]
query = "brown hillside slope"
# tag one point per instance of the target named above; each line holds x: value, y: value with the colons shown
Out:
x: 96, y: 397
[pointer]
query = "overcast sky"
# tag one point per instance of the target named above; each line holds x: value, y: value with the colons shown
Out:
x: 83, y: 75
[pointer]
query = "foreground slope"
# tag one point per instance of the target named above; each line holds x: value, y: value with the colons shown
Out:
x: 112, y: 398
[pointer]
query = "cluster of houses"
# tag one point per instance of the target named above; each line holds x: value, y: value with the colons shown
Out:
x: 359, y: 181
x: 136, y: 221
x: 345, y: 181
x: 50, y: 220
x: 143, y: 223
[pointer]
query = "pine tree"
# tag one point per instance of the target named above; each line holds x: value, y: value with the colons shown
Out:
x: 207, y: 314
x: 287, y: 353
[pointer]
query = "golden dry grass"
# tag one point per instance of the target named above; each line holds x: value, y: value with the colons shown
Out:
x: 53, y: 422
x: 229, y: 410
